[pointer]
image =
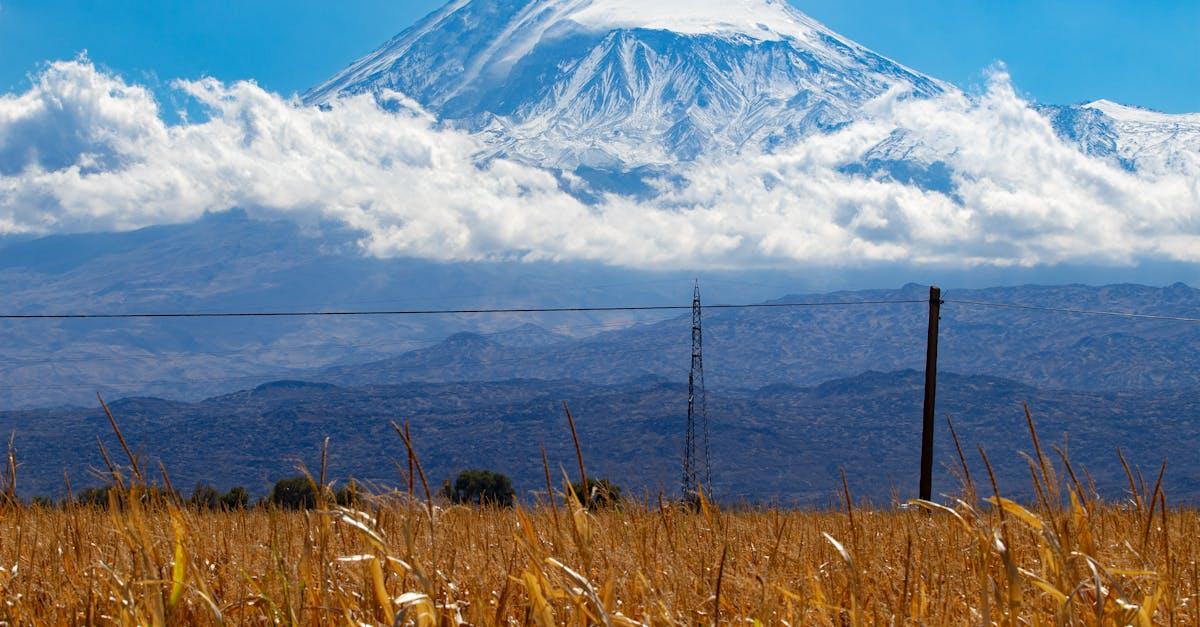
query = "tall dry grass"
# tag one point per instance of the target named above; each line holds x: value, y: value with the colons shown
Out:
x: 1067, y: 559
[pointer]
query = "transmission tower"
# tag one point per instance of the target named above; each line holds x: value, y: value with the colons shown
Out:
x: 695, y: 467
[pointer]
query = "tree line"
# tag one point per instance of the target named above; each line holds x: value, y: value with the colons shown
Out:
x: 479, y: 488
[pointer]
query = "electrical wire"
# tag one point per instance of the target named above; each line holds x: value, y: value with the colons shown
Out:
x: 283, y: 373
x: 434, y: 312
x: 17, y: 361
x: 1084, y: 312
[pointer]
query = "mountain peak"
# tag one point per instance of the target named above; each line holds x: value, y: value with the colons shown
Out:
x: 758, y: 19
x: 482, y: 38
x: 616, y: 85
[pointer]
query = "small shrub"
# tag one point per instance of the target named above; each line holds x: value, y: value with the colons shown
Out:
x: 481, y: 487
x: 205, y: 496
x: 235, y: 498
x: 600, y: 493
x: 293, y: 493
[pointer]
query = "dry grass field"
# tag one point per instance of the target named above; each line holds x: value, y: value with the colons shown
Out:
x: 1067, y: 559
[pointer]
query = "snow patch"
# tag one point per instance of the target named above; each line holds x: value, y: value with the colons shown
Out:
x: 759, y: 19
x: 1126, y: 113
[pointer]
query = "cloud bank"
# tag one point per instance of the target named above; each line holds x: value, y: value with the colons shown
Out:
x: 83, y: 150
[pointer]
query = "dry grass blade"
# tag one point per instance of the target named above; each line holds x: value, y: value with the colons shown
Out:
x: 1153, y: 504
x: 1022, y: 514
x: 583, y: 478
x: 133, y: 461
x: 849, y: 507
x: 8, y: 475
x: 720, y: 579
x: 1133, y: 489
x: 855, y: 589
x: 406, y: 436
x: 550, y: 497
x: 587, y: 588
x: 968, y: 482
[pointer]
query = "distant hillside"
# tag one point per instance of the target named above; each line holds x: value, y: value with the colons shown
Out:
x: 756, y: 347
x: 778, y: 442
x: 230, y: 262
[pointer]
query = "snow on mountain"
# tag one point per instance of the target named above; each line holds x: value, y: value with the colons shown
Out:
x: 613, y: 89
x: 1137, y: 138
x: 1153, y: 140
x: 1138, y: 115
x: 767, y: 20
x: 617, y: 84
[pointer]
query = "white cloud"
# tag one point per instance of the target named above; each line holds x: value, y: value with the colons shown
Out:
x: 82, y: 150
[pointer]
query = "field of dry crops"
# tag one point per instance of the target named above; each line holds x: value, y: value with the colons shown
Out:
x: 611, y: 567
x: 1066, y: 559
x: 393, y: 563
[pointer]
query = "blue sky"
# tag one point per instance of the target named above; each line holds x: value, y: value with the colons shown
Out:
x: 1145, y: 53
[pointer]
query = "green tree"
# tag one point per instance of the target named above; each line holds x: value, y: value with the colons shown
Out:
x: 482, y: 487
x: 205, y: 496
x: 600, y: 493
x: 294, y: 493
x: 235, y: 498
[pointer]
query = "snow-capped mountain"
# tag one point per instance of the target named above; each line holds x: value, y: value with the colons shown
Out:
x: 610, y: 88
x: 1139, y: 139
x: 626, y: 83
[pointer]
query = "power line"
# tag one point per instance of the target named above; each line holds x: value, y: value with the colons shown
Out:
x: 1084, y: 312
x: 306, y: 375
x: 434, y: 312
x: 408, y: 343
x: 534, y: 310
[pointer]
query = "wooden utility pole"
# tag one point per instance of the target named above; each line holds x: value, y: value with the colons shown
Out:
x: 931, y: 358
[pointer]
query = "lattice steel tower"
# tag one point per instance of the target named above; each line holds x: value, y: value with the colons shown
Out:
x: 695, y: 467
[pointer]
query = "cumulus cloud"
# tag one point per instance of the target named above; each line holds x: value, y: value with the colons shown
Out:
x: 83, y: 150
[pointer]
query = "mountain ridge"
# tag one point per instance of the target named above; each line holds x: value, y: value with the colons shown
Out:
x: 779, y: 443
x: 808, y: 345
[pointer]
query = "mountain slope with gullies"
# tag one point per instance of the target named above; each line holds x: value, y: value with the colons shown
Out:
x: 604, y: 83
x: 618, y: 92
